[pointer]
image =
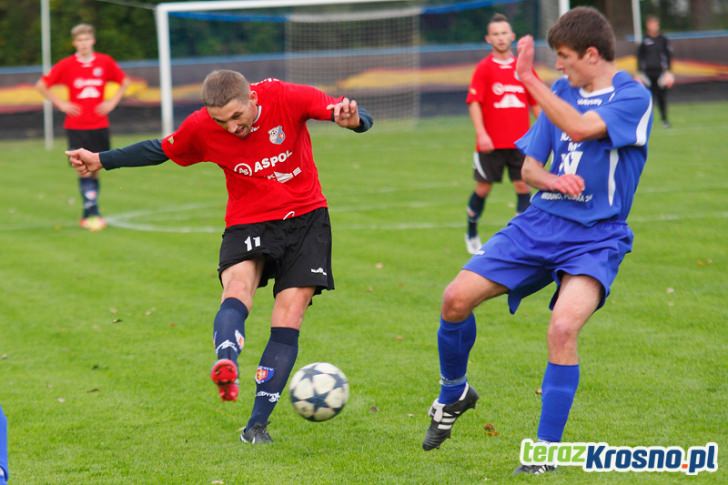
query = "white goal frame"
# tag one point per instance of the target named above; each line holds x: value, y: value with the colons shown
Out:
x: 161, y: 15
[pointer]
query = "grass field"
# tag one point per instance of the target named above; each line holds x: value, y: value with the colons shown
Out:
x: 105, y: 339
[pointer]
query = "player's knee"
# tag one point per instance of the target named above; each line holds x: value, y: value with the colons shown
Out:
x: 241, y: 291
x: 562, y: 333
x: 455, y: 306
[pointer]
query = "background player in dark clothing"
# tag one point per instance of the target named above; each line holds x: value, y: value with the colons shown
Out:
x: 654, y: 60
x: 277, y: 222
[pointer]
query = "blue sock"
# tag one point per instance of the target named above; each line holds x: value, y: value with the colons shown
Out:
x: 558, y: 389
x: 475, y: 209
x: 273, y: 371
x: 229, y: 330
x: 523, y: 201
x: 89, y: 188
x: 454, y: 341
x: 4, y: 472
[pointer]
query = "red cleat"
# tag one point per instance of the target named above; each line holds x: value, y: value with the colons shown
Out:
x: 225, y: 375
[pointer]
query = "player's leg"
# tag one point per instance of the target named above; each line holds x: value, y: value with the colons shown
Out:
x: 277, y: 360
x: 239, y: 284
x: 304, y: 270
x: 89, y: 187
x: 523, y: 191
x: 662, y: 103
x: 455, y: 339
x: 487, y: 169
x: 578, y: 299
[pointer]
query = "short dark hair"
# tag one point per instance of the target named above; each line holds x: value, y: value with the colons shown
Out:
x: 222, y: 86
x: 581, y: 28
x: 497, y: 17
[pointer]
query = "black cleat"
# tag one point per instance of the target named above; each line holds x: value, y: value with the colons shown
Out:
x: 444, y: 416
x: 256, y: 435
x: 534, y: 469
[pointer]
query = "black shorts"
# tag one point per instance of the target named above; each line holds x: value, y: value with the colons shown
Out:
x: 92, y: 140
x: 488, y: 167
x: 296, y: 251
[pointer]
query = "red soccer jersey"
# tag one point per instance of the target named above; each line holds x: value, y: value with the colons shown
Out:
x: 270, y: 174
x: 503, y: 99
x: 86, y: 82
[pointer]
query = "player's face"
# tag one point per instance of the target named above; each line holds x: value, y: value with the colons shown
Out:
x: 84, y: 44
x: 576, y: 69
x: 653, y: 27
x: 238, y: 116
x: 500, y: 37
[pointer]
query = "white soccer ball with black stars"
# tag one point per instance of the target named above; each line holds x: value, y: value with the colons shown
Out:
x: 319, y: 391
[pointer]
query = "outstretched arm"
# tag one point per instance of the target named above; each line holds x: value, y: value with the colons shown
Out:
x: 140, y: 154
x: 579, y: 127
x: 348, y: 114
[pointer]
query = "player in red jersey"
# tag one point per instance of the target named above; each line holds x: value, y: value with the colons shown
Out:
x: 277, y: 222
x: 85, y: 74
x: 499, y: 109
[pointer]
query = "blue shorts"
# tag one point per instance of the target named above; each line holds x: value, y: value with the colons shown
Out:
x: 536, y: 248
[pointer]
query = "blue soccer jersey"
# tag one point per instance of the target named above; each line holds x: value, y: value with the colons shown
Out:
x: 610, y: 166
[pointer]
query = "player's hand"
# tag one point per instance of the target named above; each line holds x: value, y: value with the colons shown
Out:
x: 105, y: 108
x: 526, y: 55
x: 668, y: 79
x: 569, y: 184
x: 346, y: 113
x: 71, y: 109
x: 86, y: 163
x: 484, y: 143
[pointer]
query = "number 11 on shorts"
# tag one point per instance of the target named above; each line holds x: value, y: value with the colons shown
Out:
x: 251, y: 243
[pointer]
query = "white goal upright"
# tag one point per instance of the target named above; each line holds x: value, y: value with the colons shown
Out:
x: 369, y: 53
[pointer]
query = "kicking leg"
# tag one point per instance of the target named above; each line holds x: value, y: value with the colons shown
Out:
x: 277, y: 360
x: 239, y: 284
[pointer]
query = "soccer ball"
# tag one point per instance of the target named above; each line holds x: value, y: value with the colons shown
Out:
x: 319, y: 391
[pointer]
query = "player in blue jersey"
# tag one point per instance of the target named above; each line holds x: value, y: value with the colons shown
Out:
x: 594, y: 125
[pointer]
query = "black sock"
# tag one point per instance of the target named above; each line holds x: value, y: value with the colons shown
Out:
x: 89, y: 188
x: 229, y: 330
x: 275, y: 366
x: 476, y: 204
x: 524, y: 200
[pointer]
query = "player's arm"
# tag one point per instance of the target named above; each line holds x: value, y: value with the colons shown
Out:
x: 348, y: 114
x: 579, y: 127
x: 110, y: 104
x: 142, y: 154
x: 482, y: 138
x: 535, y: 175
x: 63, y: 105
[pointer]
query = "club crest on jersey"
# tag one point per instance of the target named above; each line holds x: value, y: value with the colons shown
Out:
x: 276, y: 135
x: 264, y: 374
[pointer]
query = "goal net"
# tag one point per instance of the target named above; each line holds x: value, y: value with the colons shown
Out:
x: 363, y: 49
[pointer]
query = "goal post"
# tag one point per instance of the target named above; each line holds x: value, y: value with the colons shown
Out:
x: 162, y: 14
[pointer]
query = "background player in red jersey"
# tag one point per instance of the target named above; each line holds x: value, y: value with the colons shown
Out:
x: 85, y: 74
x: 499, y: 109
x: 277, y: 222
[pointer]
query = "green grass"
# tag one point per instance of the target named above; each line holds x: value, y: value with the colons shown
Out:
x: 105, y: 339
